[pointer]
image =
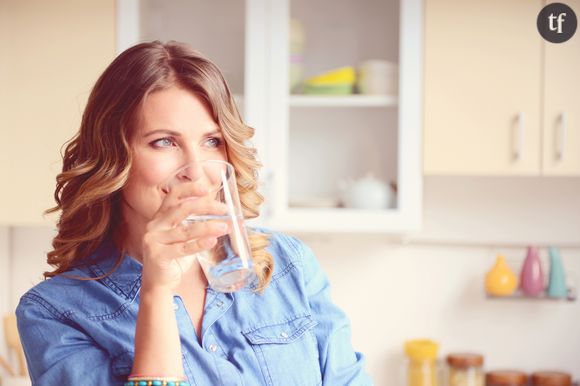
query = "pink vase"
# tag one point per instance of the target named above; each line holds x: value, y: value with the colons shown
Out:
x: 532, y: 276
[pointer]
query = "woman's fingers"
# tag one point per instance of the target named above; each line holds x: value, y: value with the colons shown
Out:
x: 190, y: 231
x: 169, y: 252
x: 180, y: 192
x: 173, y: 217
x: 169, y: 235
x: 204, y: 206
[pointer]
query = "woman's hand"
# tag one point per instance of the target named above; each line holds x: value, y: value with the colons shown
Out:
x: 169, y: 245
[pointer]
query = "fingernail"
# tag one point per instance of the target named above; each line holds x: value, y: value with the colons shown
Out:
x: 222, y: 226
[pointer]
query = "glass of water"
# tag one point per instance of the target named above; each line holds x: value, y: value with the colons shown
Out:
x: 228, y: 265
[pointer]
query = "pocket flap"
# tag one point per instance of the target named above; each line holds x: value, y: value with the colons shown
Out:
x: 281, y: 333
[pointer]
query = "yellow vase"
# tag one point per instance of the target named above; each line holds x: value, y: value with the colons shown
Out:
x: 500, y: 280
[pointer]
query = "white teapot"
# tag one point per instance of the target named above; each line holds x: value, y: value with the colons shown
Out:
x: 365, y: 193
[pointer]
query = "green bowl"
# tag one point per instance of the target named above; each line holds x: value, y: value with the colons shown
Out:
x: 327, y: 89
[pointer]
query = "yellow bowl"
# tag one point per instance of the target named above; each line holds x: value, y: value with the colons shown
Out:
x: 343, y: 75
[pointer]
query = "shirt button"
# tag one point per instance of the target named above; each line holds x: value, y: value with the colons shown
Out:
x: 284, y: 335
x: 219, y: 304
x: 175, y: 306
x: 212, y: 348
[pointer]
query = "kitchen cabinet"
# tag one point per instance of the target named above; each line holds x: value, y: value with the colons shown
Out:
x: 561, y: 118
x: 311, y: 143
x: 53, y: 53
x: 499, y: 100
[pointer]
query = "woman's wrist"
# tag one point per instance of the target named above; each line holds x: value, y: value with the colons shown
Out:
x: 157, y: 291
x: 157, y: 341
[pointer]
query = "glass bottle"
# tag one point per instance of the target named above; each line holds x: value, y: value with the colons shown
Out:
x: 557, y: 278
x: 500, y: 280
x: 532, y: 275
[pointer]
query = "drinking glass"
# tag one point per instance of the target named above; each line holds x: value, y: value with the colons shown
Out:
x: 228, y: 265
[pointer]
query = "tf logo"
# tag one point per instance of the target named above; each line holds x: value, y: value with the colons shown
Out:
x: 557, y: 22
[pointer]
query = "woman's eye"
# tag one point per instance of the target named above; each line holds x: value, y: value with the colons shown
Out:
x: 214, y: 142
x: 163, y: 142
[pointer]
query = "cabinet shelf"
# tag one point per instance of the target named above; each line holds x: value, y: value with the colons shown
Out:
x: 343, y: 101
x: 518, y: 295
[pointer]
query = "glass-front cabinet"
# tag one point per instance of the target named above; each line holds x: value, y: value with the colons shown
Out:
x: 333, y: 89
x: 342, y: 110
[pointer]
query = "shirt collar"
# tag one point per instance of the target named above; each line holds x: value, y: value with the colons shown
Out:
x: 125, y: 280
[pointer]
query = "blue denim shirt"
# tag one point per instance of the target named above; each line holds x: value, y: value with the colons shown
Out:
x: 82, y: 332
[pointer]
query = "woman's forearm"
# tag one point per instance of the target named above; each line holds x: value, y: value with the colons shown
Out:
x: 157, y: 344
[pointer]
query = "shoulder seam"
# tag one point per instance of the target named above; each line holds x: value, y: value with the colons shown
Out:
x: 44, y: 304
x: 298, y: 248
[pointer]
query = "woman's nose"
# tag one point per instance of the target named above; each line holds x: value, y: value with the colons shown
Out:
x: 190, y: 172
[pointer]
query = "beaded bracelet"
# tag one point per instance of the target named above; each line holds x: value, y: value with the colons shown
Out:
x: 155, y: 381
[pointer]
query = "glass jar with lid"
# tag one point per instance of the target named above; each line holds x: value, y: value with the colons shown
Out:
x: 551, y: 378
x: 465, y: 369
x: 422, y: 367
x: 506, y: 378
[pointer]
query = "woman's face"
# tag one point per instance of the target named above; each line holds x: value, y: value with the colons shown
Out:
x: 175, y: 128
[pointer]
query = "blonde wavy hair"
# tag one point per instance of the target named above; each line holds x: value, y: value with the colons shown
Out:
x: 97, y: 160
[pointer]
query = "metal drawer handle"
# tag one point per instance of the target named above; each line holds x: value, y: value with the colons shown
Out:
x: 519, y: 137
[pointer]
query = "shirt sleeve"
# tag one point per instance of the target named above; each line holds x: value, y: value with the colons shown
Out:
x: 339, y: 362
x: 58, y: 352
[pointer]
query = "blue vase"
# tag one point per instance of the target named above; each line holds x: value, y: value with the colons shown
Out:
x: 557, y: 285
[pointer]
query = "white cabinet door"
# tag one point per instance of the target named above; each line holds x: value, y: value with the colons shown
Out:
x: 561, y: 135
x: 313, y: 142
x: 53, y: 52
x: 483, y: 72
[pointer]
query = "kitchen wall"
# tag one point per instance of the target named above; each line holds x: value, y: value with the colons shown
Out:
x: 428, y: 284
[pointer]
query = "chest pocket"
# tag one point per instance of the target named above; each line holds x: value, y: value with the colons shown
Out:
x: 287, y: 352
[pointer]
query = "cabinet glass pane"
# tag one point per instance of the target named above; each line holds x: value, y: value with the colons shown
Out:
x: 330, y: 145
x: 215, y: 28
x: 345, y: 32
x: 337, y: 138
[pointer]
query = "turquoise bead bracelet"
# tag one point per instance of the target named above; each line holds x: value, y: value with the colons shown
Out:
x: 156, y: 382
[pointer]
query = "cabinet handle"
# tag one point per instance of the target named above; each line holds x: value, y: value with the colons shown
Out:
x: 519, y: 137
x: 562, y: 136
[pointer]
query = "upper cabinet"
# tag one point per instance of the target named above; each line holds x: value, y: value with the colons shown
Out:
x: 214, y: 28
x: 499, y: 100
x: 336, y: 102
x: 561, y: 118
x: 53, y: 54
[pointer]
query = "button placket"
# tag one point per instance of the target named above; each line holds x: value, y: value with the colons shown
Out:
x: 212, y: 346
x: 220, y: 304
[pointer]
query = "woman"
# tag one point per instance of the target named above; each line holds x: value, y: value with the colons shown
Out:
x: 126, y: 299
